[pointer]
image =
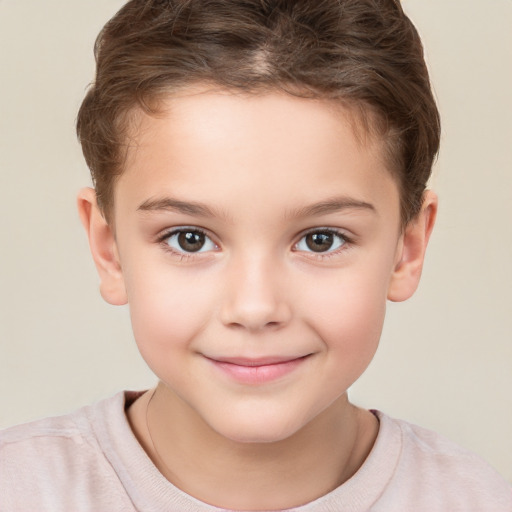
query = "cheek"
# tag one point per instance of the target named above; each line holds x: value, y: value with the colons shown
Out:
x: 354, y: 320
x: 348, y: 310
x: 350, y: 329
x: 167, y: 309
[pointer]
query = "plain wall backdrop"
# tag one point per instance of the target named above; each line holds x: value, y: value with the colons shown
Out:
x: 445, y: 359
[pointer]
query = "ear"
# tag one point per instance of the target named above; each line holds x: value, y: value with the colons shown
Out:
x: 411, y: 252
x: 103, y: 248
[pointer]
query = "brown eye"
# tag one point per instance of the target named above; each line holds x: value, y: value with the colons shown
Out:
x: 189, y: 241
x: 321, y: 241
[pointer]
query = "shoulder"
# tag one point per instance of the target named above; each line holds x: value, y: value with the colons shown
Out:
x: 73, y: 431
x: 446, y: 476
x: 56, y: 428
x: 56, y: 437
x: 54, y: 462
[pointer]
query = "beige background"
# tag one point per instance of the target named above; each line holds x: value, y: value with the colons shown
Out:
x: 446, y: 356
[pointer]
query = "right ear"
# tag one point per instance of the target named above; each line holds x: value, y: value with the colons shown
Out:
x: 103, y: 248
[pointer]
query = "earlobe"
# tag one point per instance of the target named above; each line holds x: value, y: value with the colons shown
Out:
x: 407, y: 272
x: 103, y: 248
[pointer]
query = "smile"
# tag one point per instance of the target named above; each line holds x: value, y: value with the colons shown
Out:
x: 257, y: 371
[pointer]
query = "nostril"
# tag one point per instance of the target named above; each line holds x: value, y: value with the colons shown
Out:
x: 254, y: 326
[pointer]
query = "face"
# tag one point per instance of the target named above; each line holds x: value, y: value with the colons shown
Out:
x: 257, y: 238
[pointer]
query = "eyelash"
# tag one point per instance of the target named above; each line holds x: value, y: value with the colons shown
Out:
x: 183, y: 255
x: 346, y: 242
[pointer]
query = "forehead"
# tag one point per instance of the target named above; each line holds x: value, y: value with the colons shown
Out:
x: 217, y: 145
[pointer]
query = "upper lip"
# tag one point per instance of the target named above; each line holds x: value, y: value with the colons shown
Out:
x: 256, y: 361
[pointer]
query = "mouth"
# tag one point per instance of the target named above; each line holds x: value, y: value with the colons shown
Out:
x: 258, y: 370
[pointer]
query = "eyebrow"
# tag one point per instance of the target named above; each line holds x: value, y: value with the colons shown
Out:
x: 332, y: 205
x: 175, y: 205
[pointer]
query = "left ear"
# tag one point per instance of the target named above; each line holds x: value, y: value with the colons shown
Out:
x: 407, y: 272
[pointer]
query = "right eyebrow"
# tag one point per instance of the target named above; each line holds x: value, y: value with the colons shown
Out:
x: 175, y: 205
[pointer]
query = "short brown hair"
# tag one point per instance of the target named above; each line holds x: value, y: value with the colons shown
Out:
x: 365, y: 53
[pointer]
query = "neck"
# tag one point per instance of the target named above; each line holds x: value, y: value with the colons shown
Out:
x: 252, y: 476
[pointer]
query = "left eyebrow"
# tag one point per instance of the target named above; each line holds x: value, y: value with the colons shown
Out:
x: 332, y: 205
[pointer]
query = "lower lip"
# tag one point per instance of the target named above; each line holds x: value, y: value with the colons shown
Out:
x: 258, y: 374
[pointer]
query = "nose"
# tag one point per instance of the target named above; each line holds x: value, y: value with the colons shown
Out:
x: 255, y: 297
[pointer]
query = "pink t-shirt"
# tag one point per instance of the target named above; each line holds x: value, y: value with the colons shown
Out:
x: 91, y: 461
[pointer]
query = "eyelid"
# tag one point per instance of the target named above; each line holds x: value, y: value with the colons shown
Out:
x: 168, y: 233
x: 348, y: 240
x: 326, y: 229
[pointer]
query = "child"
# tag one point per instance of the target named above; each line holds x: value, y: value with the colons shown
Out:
x: 260, y: 171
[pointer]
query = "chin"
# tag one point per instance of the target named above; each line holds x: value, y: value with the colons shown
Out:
x: 263, y: 430
x: 256, y: 437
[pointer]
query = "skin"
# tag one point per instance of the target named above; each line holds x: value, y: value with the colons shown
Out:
x: 261, y: 177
